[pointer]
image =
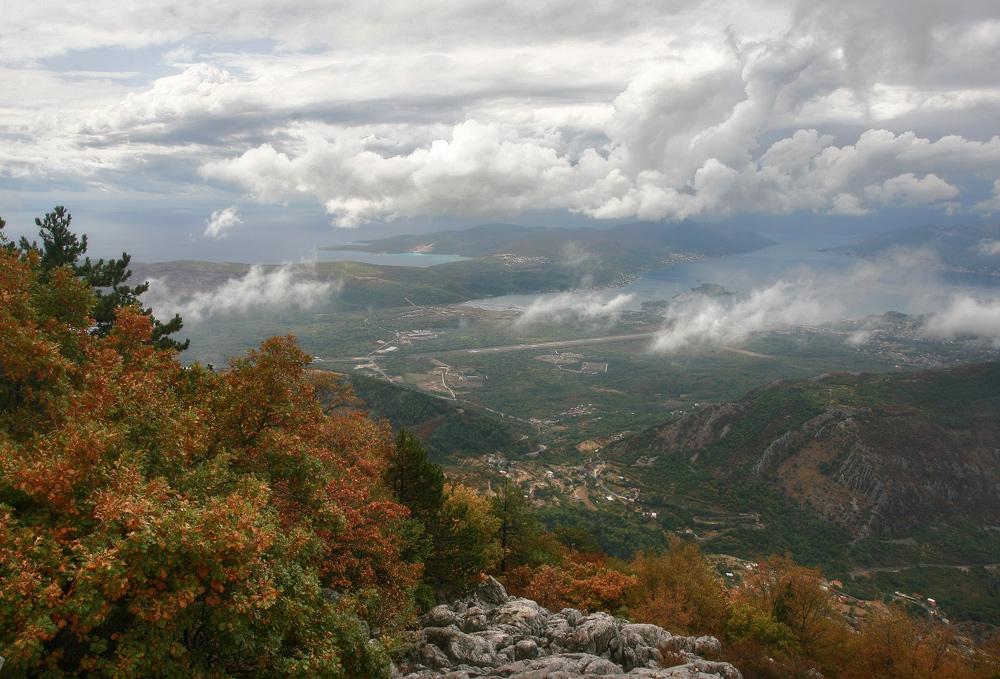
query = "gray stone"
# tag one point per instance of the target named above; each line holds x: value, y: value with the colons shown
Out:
x: 708, y: 647
x: 459, y: 647
x: 526, y: 649
x: 594, y: 634
x: 494, y: 636
x: 491, y: 592
x: 439, y: 616
x: 519, y: 617
x: 473, y: 620
x: 331, y: 596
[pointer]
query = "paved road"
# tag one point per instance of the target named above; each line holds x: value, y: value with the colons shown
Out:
x: 903, y: 567
x: 546, y: 345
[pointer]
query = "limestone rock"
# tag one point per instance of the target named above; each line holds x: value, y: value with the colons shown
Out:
x: 493, y: 635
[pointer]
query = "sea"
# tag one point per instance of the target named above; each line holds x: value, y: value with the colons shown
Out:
x: 908, y: 283
x: 854, y: 287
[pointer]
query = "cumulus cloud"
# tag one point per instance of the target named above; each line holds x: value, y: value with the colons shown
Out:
x: 806, y: 297
x: 966, y: 315
x: 482, y: 170
x: 491, y: 170
x: 710, y: 322
x: 992, y: 204
x: 219, y: 223
x: 907, y: 190
x: 990, y: 248
x: 629, y: 110
x: 286, y: 286
x: 575, y: 306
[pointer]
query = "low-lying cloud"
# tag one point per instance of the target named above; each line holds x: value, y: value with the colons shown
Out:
x: 906, y: 279
x: 989, y: 248
x: 574, y: 255
x: 575, y: 306
x: 289, y: 285
x: 707, y: 321
x: 966, y: 316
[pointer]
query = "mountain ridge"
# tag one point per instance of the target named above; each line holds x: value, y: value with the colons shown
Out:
x: 878, y: 455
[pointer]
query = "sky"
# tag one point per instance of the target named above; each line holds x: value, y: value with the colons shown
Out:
x: 251, y: 124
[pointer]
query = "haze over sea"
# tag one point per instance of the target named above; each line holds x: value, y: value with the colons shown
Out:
x: 908, y: 285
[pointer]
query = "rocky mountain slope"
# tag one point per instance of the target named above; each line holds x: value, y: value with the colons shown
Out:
x: 491, y: 634
x: 876, y: 454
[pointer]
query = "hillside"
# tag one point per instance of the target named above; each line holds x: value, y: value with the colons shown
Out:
x: 630, y: 247
x: 449, y: 433
x: 972, y: 249
x: 474, y: 242
x: 881, y: 456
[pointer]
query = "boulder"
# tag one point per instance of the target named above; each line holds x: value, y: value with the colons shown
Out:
x: 519, y: 616
x: 493, y: 635
x: 595, y: 634
x: 491, y: 592
x: 458, y: 647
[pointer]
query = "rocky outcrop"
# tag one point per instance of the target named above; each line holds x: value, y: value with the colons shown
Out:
x: 491, y: 634
x: 831, y: 423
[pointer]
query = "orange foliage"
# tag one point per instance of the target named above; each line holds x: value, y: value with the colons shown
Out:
x: 157, y: 519
x: 586, y: 582
x: 794, y: 597
x: 677, y: 590
x: 891, y: 645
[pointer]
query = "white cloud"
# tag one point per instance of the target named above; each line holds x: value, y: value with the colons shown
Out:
x: 575, y: 306
x: 492, y: 107
x: 219, y: 223
x: 491, y: 170
x: 286, y: 286
x: 908, y: 190
x: 859, y: 337
x: 707, y: 321
x: 989, y: 248
x: 966, y: 315
x: 574, y: 255
x: 806, y: 297
x: 992, y: 204
x: 482, y: 170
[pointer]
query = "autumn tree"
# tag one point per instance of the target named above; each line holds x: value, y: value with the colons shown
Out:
x: 62, y: 248
x: 157, y: 520
x: 586, y: 581
x: 892, y: 645
x: 677, y: 589
x: 783, y: 610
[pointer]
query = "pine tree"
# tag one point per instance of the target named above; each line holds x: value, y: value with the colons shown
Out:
x: 62, y: 248
x: 517, y: 525
x: 416, y: 482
